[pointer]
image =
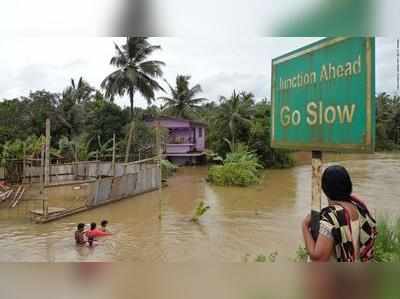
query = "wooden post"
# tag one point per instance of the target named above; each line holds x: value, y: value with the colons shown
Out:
x: 42, y: 166
x: 316, y: 163
x: 158, y: 157
x: 47, y: 154
x: 113, y: 157
x: 158, y: 150
x: 42, y: 169
x: 97, y: 164
x: 23, y: 164
x: 128, y: 146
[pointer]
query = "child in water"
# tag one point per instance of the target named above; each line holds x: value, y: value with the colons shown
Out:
x: 104, y: 224
x: 80, y: 237
x: 95, y: 232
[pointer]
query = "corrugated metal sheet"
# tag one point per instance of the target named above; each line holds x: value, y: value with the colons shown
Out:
x: 108, y: 189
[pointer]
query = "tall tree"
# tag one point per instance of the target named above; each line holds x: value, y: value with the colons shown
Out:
x: 236, y: 112
x: 79, y: 92
x: 73, y: 102
x: 183, y: 101
x: 134, y: 71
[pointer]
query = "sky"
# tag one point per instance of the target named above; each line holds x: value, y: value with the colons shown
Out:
x: 219, y: 65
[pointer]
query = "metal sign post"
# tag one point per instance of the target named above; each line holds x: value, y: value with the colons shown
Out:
x: 316, y: 163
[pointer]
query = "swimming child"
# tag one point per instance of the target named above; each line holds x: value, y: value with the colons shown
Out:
x: 80, y: 237
x: 95, y: 232
x: 104, y: 224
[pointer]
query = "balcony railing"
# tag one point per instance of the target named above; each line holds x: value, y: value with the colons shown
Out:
x: 182, y: 148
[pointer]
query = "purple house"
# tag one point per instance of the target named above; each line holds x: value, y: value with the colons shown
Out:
x: 185, y: 143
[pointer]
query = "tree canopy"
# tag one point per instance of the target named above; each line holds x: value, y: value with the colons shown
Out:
x: 135, y: 72
x: 183, y: 101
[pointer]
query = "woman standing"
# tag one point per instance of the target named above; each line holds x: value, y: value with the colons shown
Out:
x: 347, y: 230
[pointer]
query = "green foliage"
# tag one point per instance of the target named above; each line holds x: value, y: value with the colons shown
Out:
x: 240, y: 168
x: 104, y: 119
x: 387, y: 122
x: 31, y: 147
x: 200, y: 210
x: 213, y: 157
x: 241, y: 119
x: 387, y: 244
x: 301, y: 255
x: 79, y: 148
x: 263, y: 259
x: 183, y: 101
x: 167, y: 168
x: 135, y: 73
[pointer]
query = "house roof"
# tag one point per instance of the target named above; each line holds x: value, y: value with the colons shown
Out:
x: 192, y: 122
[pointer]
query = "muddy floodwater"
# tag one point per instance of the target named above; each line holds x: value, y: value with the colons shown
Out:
x: 241, y: 224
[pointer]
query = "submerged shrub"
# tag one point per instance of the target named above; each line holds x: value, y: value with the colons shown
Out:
x: 233, y: 174
x: 200, y: 210
x: 167, y: 168
x: 240, y: 168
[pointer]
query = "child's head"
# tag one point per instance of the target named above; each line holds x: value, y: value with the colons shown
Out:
x: 81, y: 227
x: 104, y: 223
x: 93, y: 225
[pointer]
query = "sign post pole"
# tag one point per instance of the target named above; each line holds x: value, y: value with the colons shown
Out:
x: 316, y: 163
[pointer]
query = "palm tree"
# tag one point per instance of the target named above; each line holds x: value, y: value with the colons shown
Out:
x: 135, y: 72
x: 80, y: 92
x: 236, y: 111
x: 183, y: 101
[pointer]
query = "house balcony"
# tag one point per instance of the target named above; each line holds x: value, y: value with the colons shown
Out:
x: 181, y: 148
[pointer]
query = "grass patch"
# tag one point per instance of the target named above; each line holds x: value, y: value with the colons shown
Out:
x: 387, y: 244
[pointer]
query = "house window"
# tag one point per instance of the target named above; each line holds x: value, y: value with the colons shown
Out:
x: 200, y: 132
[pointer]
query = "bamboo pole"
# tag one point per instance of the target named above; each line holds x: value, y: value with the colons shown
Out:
x: 47, y: 154
x: 316, y: 163
x: 45, y: 204
x: 113, y: 157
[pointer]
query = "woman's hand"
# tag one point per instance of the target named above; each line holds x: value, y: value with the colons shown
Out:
x: 319, y: 250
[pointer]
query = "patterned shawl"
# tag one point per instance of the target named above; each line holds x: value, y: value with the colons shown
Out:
x: 339, y: 219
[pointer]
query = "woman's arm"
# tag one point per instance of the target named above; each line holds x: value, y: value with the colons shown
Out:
x: 320, y: 250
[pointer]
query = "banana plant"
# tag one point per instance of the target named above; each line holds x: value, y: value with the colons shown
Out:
x: 200, y: 210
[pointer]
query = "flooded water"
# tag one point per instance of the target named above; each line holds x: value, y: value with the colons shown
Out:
x: 241, y: 224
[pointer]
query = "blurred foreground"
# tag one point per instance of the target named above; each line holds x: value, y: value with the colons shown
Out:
x: 103, y: 280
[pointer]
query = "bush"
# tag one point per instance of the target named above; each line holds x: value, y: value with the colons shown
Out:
x: 167, y: 168
x: 240, y: 168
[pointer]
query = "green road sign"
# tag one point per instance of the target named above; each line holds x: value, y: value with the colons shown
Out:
x: 323, y: 96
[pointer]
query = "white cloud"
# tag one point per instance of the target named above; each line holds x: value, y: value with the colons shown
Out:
x: 219, y: 64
